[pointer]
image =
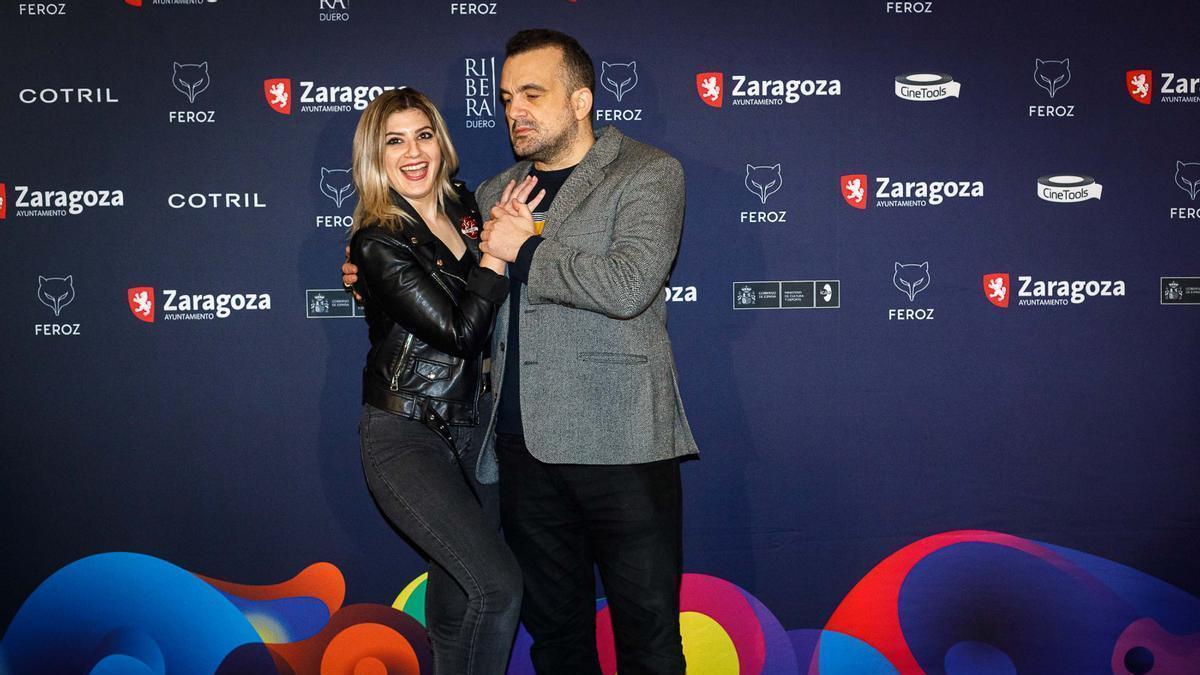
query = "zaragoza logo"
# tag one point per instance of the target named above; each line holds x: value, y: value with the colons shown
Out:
x: 1140, y: 85
x: 141, y: 303
x: 711, y: 88
x: 996, y: 287
x: 854, y: 190
x: 278, y: 92
x: 3, y: 202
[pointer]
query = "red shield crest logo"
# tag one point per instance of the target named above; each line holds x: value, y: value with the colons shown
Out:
x: 1140, y: 85
x: 278, y: 92
x: 3, y: 202
x: 854, y: 190
x: 711, y: 88
x: 141, y: 303
x: 469, y: 226
x: 134, y: 3
x: 996, y: 289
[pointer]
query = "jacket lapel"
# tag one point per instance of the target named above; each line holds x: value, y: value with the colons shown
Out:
x: 586, y: 176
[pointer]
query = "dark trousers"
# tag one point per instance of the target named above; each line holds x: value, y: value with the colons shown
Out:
x: 560, y: 520
x: 473, y: 597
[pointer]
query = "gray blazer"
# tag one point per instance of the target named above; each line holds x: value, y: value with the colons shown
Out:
x: 598, y: 379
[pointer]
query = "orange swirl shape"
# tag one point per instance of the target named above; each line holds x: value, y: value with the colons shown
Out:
x: 360, y: 640
x: 322, y: 581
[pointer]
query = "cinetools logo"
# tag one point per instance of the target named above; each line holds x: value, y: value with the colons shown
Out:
x: 1068, y: 188
x: 56, y: 293
x: 1179, y: 290
x: 1174, y: 88
x: 178, y: 306
x: 926, y: 86
x: 822, y: 294
x: 996, y: 287
x: 619, y: 79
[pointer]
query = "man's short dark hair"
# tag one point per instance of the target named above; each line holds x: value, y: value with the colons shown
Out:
x: 578, y: 65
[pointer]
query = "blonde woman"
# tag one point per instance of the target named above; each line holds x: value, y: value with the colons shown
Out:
x: 430, y: 298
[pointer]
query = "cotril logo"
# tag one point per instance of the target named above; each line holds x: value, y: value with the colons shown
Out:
x: 854, y: 190
x: 278, y: 92
x: 996, y: 287
x: 141, y: 303
x: 1140, y: 85
x: 711, y: 88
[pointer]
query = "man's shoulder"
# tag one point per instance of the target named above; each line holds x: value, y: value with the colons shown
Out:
x: 633, y: 154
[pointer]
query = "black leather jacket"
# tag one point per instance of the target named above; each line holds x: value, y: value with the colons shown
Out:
x: 428, y: 327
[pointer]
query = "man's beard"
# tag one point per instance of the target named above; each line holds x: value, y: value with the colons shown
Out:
x: 546, y: 149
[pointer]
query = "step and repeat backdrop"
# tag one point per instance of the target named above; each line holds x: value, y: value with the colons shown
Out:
x: 936, y: 313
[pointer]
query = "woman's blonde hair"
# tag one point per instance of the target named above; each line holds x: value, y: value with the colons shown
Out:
x: 370, y: 176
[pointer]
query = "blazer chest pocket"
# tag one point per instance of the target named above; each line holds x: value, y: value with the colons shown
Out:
x: 612, y: 357
x: 431, y: 371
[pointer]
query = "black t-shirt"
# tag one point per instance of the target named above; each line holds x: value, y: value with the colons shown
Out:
x: 509, y: 413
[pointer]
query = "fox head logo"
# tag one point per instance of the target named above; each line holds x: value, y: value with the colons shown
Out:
x: 763, y: 181
x: 911, y: 279
x: 618, y: 78
x: 1052, y: 75
x: 278, y: 92
x: 56, y: 292
x: 1140, y: 84
x: 711, y: 88
x: 854, y: 190
x: 141, y: 303
x: 1187, y: 177
x: 336, y: 184
x: 190, y: 79
x: 995, y: 288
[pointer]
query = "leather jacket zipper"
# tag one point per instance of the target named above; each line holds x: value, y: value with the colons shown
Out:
x: 400, y: 364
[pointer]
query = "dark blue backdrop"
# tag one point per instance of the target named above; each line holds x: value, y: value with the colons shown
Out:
x: 830, y: 438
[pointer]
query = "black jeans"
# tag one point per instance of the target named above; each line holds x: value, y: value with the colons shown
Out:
x: 560, y: 520
x: 473, y: 598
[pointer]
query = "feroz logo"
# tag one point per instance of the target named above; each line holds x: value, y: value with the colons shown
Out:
x: 141, y: 303
x: 911, y: 279
x: 618, y: 78
x: 190, y: 79
x: 711, y: 88
x: 56, y: 292
x: 1187, y: 177
x: 278, y: 92
x: 1052, y: 75
x: 996, y: 287
x: 1140, y: 84
x: 854, y: 190
x: 763, y: 181
x: 926, y: 86
x: 337, y: 185
x: 1068, y: 188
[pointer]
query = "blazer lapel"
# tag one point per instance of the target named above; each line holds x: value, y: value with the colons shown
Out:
x: 586, y: 176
